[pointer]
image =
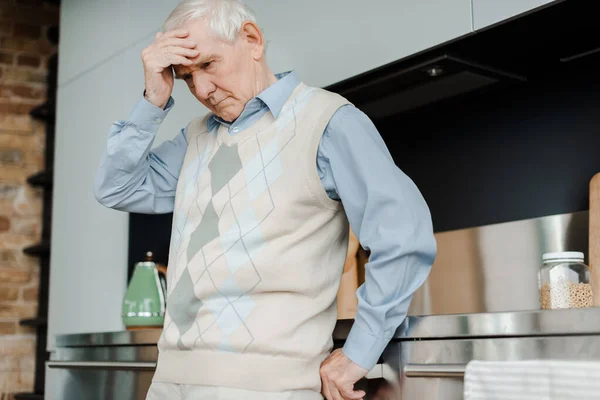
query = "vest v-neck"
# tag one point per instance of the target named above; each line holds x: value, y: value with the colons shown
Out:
x: 228, y: 139
x: 264, y: 122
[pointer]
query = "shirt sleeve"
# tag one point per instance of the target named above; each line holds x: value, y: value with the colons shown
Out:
x: 133, y: 177
x: 389, y: 216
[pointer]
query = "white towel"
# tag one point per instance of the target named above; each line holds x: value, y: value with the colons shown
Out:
x: 532, y: 380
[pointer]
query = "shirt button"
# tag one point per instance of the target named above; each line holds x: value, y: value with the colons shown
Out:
x: 158, y: 120
x: 236, y: 130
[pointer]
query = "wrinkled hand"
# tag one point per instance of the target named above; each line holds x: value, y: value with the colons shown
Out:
x: 169, y: 48
x: 338, y: 375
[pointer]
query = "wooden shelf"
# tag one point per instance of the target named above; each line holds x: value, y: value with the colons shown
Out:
x: 44, y: 112
x: 40, y: 249
x: 41, y: 179
x: 34, y: 322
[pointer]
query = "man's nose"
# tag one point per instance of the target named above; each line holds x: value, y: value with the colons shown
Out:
x: 204, y: 86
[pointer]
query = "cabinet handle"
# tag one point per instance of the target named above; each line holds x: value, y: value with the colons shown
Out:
x: 141, y: 366
x: 435, y: 370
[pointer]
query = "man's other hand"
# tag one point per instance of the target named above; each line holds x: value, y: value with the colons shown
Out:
x: 169, y: 48
x: 338, y: 375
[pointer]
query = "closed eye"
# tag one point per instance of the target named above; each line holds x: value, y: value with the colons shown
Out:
x: 189, y: 80
x: 205, y: 65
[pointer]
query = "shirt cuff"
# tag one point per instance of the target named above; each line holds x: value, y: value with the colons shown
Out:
x: 362, y: 348
x: 147, y: 116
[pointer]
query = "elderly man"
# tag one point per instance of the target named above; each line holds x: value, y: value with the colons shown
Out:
x: 263, y: 191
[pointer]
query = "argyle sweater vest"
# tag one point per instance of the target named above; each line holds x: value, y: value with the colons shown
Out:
x: 257, y: 252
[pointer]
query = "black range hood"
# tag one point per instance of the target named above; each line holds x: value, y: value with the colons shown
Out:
x: 524, y: 48
x: 439, y: 78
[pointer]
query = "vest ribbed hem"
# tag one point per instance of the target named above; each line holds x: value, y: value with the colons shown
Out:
x: 245, y: 371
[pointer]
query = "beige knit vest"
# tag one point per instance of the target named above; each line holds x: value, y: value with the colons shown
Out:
x: 257, y: 253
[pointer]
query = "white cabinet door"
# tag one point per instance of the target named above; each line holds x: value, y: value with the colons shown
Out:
x: 88, y: 261
x: 489, y: 12
x: 90, y: 33
x: 328, y: 41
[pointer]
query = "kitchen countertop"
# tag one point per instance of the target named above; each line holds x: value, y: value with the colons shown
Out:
x: 456, y: 326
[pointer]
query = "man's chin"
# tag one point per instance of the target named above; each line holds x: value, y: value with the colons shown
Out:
x: 227, y: 116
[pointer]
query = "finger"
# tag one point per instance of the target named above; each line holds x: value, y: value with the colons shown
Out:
x: 181, y: 51
x: 158, y: 35
x: 353, y: 394
x: 176, y: 42
x: 326, y: 391
x: 335, y: 393
x: 174, y: 59
x: 180, y: 33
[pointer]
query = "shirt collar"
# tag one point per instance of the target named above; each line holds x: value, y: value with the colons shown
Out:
x: 274, y: 97
x: 277, y: 94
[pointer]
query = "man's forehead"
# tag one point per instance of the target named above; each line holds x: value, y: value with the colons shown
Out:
x: 199, y: 30
x: 184, y: 69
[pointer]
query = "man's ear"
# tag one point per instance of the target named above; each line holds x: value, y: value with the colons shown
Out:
x: 253, y: 36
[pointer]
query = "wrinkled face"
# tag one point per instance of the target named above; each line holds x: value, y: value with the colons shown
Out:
x: 223, y: 76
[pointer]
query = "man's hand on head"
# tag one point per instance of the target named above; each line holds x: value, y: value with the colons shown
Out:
x: 169, y: 48
x: 338, y: 376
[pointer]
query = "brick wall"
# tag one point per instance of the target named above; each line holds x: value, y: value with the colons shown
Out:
x: 24, y: 52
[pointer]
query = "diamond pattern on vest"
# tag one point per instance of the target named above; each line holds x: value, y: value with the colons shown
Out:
x: 183, y: 304
x: 228, y: 161
x: 226, y: 240
x: 205, y: 232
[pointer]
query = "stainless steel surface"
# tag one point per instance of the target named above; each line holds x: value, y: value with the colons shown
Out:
x: 129, y: 346
x: 105, y: 365
x: 432, y: 369
x: 435, y: 370
x: 479, y: 303
x: 494, y: 268
x: 148, y: 353
x: 122, y: 338
x: 453, y: 352
x: 94, y: 384
x: 86, y: 366
x: 425, y: 367
x: 145, y: 314
x: 502, y: 324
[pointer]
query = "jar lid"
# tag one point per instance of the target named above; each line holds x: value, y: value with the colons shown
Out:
x: 563, y: 255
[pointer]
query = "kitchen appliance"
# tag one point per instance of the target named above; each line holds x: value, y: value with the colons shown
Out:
x: 425, y: 360
x: 144, y: 302
x: 480, y: 302
x: 510, y: 53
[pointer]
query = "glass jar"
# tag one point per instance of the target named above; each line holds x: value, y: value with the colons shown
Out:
x: 564, y: 281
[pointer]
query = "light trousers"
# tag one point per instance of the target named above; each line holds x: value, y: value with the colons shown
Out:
x: 173, y: 391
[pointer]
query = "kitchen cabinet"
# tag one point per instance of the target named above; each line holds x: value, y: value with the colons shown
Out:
x: 92, y: 31
x: 96, y: 31
x: 489, y: 12
x: 326, y: 42
x: 426, y: 359
x: 89, y: 242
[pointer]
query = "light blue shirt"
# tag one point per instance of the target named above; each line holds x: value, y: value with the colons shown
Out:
x: 385, y: 209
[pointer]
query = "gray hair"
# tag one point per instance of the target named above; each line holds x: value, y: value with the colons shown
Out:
x: 225, y: 17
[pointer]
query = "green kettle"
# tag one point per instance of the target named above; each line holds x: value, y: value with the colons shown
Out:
x: 144, y: 302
